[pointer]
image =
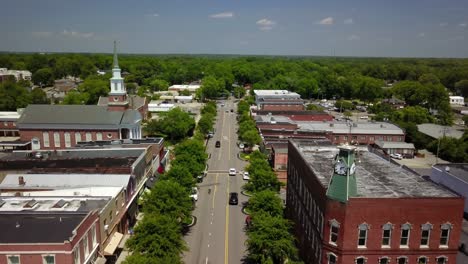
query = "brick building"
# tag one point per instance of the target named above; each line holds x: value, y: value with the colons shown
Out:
x: 63, y: 126
x: 350, y: 206
x: 297, y: 115
x: 48, y: 237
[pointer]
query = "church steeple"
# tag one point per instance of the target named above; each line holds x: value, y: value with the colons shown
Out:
x: 343, y: 182
x: 118, y: 93
x: 116, y: 60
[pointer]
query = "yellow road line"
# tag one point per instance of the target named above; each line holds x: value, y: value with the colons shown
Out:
x: 222, y: 129
x: 214, y: 191
x: 226, y: 231
x: 229, y: 142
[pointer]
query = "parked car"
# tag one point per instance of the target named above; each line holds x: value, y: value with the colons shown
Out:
x: 218, y: 144
x: 232, y: 172
x: 194, y: 194
x: 364, y: 117
x: 396, y: 156
x: 233, y: 198
x: 210, y: 134
x: 246, y: 176
x: 232, y: 110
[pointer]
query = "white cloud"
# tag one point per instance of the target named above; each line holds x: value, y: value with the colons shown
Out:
x: 354, y: 37
x: 443, y: 24
x: 422, y: 35
x: 462, y: 24
x: 265, y: 24
x: 327, y: 21
x: 155, y: 15
x: 348, y: 21
x: 78, y: 34
x: 42, y: 34
x: 223, y: 15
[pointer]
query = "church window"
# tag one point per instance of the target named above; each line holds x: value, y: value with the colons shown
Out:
x: 45, y: 136
x: 109, y: 135
x: 67, y: 139
x: 77, y: 137
x: 89, y: 136
x: 99, y: 136
x: 56, y: 139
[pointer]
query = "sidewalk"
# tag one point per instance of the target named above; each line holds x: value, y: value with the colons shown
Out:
x: 123, y: 255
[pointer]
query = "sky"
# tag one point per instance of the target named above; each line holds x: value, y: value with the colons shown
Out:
x: 373, y: 28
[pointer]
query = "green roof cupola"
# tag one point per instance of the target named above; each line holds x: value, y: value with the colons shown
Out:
x: 343, y: 182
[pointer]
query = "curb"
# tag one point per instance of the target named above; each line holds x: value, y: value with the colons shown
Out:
x: 244, y: 193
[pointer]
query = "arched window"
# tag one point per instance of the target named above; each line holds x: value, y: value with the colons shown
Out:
x: 360, y: 260
x: 402, y: 260
x: 422, y: 260
x: 442, y: 260
x: 77, y: 137
x: 331, y: 258
x: 384, y: 260
x: 334, y: 230
x: 405, y: 235
x: 98, y: 136
x: 362, y: 234
x: 425, y: 234
x: 386, y: 234
x: 67, y: 138
x: 445, y: 234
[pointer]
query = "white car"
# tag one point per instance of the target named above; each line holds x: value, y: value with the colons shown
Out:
x: 246, y: 176
x: 396, y: 156
x: 232, y: 172
x: 194, y: 194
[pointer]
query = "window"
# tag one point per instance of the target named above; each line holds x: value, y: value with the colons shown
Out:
x: 67, y: 140
x: 89, y: 136
x: 405, y: 233
x: 110, y: 215
x: 77, y: 137
x: 93, y: 235
x: 384, y: 260
x: 331, y: 258
x: 442, y: 260
x: 422, y: 260
x: 48, y: 259
x: 386, y: 234
x: 334, y: 230
x: 360, y: 260
x: 56, y: 139
x: 445, y: 234
x: 76, y: 255
x: 13, y: 259
x: 109, y: 135
x: 362, y: 237
x: 99, y: 136
x: 45, y: 137
x: 85, y: 245
x: 425, y: 234
x: 402, y: 260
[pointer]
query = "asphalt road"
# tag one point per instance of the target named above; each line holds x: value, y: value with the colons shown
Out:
x: 218, y: 236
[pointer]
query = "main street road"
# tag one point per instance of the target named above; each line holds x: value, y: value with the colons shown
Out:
x: 219, y: 237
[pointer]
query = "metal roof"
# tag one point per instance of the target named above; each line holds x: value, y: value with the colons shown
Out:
x: 376, y: 177
x: 438, y: 131
x: 65, y: 180
x: 394, y: 145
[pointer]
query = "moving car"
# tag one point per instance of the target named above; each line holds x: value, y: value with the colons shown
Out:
x: 233, y: 198
x: 232, y: 172
x: 218, y: 144
x: 194, y: 194
x: 396, y: 156
x: 232, y: 110
x: 246, y: 176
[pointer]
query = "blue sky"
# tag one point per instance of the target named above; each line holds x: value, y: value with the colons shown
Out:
x: 395, y: 28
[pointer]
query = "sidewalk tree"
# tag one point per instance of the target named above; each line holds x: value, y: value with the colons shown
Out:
x: 176, y: 123
x: 267, y: 202
x: 181, y: 174
x: 158, y: 237
x: 269, y: 240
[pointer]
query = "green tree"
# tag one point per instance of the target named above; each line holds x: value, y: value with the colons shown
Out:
x: 13, y: 96
x: 269, y: 240
x: 181, y: 174
x: 75, y: 98
x: 267, y: 202
x: 94, y: 87
x: 239, y: 91
x: 43, y: 77
x: 211, y: 88
x: 157, y: 239
x: 169, y: 198
x: 206, y: 123
x: 175, y: 124
x: 251, y: 137
x: 314, y: 107
x: 462, y: 87
x: 38, y: 96
x: 159, y: 85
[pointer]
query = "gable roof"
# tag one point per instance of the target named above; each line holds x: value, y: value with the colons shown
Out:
x: 135, y: 102
x: 84, y: 116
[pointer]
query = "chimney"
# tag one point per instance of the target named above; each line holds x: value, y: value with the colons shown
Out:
x: 21, y: 181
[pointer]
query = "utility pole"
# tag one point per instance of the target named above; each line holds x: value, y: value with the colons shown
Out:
x: 444, y: 130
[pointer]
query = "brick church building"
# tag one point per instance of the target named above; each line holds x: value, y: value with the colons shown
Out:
x: 349, y: 206
x: 63, y: 126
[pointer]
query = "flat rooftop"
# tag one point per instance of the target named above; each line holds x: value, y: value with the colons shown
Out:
x: 458, y: 170
x: 438, y: 131
x: 65, y: 180
x: 376, y: 177
x: 38, y: 228
x: 50, y: 204
x: 278, y: 93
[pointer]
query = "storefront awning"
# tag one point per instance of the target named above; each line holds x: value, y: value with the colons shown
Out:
x: 113, y: 243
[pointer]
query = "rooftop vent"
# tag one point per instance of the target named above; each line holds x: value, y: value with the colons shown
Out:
x: 30, y: 204
x: 21, y: 181
x: 60, y: 204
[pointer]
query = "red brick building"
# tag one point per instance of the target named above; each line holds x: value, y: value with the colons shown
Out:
x: 298, y: 115
x: 350, y: 206
x: 48, y: 238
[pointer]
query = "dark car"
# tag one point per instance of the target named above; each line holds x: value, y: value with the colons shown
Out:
x: 233, y: 198
x: 232, y: 110
x: 218, y: 144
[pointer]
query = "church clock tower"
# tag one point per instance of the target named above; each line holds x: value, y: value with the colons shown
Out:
x: 118, y: 94
x: 343, y: 182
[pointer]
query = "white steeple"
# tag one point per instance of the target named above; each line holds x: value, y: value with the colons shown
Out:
x: 116, y: 82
